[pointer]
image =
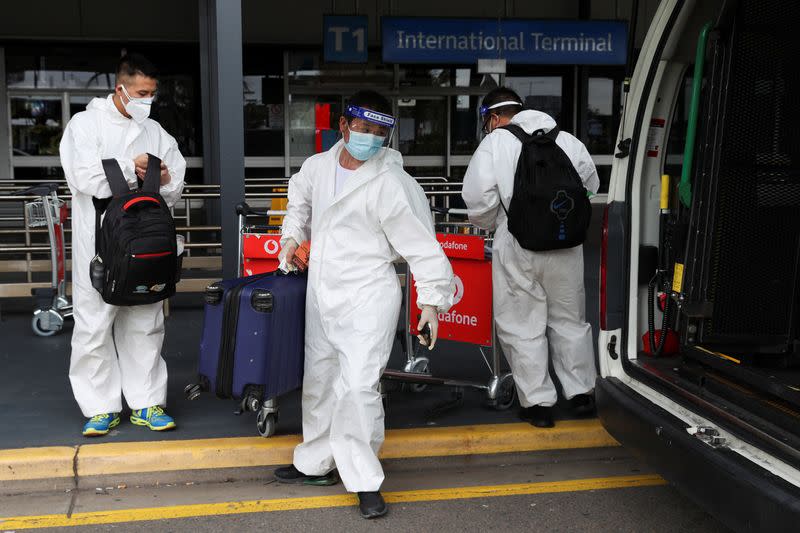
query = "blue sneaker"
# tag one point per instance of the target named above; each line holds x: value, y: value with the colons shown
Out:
x: 153, y: 417
x: 100, y: 425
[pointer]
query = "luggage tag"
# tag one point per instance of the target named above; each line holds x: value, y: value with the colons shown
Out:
x: 301, y: 256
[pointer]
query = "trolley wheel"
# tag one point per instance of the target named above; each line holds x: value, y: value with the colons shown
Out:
x: 420, y: 366
x: 192, y: 391
x: 265, y: 423
x: 506, y: 393
x: 39, y: 328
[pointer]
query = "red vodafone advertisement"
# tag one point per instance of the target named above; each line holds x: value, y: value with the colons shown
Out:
x: 470, y: 318
x: 260, y: 253
x: 461, y: 246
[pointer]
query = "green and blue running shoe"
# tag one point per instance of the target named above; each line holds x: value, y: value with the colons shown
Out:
x: 153, y: 417
x: 100, y: 425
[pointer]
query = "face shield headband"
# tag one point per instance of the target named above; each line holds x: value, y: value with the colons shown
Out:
x: 485, y: 115
x: 373, y: 117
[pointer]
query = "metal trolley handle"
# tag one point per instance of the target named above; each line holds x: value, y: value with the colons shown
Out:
x: 243, y: 209
x: 45, y: 189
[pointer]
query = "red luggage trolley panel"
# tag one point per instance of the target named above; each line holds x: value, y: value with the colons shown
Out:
x: 470, y: 318
x: 259, y: 252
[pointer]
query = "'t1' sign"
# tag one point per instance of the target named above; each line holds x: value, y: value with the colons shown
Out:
x: 345, y: 38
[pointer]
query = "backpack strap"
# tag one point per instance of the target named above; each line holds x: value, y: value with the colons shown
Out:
x: 119, y: 186
x: 152, y: 177
x: 117, y: 182
x: 100, y: 205
x: 553, y: 133
x: 523, y: 137
x: 518, y: 132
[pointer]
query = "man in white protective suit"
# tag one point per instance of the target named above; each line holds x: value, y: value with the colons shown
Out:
x: 361, y: 211
x: 539, y: 298
x: 116, y: 127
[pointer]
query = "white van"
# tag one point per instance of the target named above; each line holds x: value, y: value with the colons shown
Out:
x: 699, y: 348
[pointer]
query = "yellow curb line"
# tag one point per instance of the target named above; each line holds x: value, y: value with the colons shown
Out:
x: 37, y: 463
x: 319, y: 502
x: 167, y: 456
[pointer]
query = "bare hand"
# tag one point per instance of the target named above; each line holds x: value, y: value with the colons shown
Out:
x: 140, y: 162
x: 142, y: 171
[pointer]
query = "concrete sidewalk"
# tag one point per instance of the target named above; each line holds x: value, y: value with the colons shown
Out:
x: 601, y: 489
x: 59, y: 468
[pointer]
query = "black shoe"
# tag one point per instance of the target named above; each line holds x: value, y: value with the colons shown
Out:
x: 371, y: 504
x: 582, y: 404
x: 291, y: 475
x: 525, y: 414
x: 540, y: 416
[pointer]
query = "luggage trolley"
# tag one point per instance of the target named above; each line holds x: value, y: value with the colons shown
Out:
x: 52, y: 304
x: 470, y: 320
x: 259, y: 245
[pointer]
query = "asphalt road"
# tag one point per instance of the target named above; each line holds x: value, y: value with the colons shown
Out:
x: 574, y: 490
x: 652, y: 509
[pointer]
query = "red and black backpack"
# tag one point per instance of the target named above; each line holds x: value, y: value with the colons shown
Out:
x: 136, y: 258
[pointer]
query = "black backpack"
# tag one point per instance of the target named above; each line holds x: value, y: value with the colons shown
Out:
x: 550, y: 207
x: 136, y: 258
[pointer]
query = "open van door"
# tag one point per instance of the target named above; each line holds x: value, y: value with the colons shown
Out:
x: 700, y: 260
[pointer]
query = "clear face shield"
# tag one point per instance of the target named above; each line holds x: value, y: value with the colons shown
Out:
x: 371, y: 123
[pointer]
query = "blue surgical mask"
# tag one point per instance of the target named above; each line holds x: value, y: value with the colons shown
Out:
x: 362, y: 146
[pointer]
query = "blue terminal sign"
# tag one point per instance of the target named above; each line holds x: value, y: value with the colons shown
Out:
x: 541, y: 42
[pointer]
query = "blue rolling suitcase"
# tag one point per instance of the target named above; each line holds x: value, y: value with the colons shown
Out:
x: 252, y: 342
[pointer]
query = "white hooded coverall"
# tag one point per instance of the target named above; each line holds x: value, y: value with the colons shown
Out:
x: 538, y: 296
x: 98, y: 372
x: 353, y: 302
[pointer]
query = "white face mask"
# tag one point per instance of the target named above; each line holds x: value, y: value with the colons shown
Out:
x: 137, y: 108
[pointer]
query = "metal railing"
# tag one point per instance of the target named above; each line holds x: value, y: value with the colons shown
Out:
x: 29, y: 252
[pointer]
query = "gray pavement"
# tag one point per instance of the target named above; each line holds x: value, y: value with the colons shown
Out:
x: 653, y: 508
x: 36, y: 399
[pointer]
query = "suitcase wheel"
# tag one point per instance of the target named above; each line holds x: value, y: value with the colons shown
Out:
x: 252, y: 403
x: 265, y: 422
